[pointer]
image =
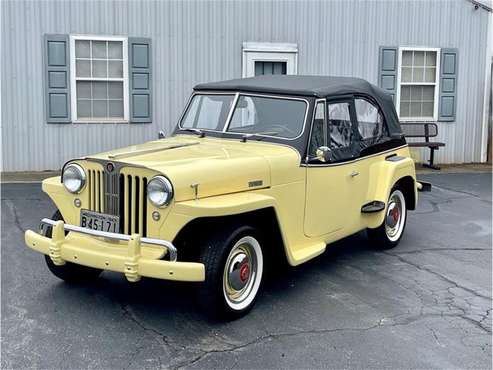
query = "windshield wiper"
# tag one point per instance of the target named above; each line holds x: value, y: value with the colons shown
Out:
x: 195, y: 131
x: 248, y: 136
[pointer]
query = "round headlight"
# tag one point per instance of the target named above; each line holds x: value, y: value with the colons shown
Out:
x: 73, y: 178
x: 159, y: 191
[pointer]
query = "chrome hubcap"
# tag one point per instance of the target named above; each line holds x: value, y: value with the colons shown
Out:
x: 241, y: 273
x: 394, y: 219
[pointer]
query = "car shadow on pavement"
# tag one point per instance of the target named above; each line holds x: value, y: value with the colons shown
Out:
x: 168, y: 299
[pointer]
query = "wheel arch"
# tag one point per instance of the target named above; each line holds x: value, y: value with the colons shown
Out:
x: 264, y: 219
x: 408, y: 186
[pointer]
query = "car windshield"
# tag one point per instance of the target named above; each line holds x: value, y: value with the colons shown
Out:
x: 268, y: 116
x: 260, y: 115
x: 208, y: 112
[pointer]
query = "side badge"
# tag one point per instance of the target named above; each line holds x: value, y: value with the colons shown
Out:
x: 253, y: 184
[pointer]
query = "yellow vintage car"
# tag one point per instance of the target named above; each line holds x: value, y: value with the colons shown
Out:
x: 259, y: 171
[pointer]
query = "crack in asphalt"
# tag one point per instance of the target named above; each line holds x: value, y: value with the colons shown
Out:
x: 474, y: 195
x: 163, y: 339
x: 443, y: 277
x: 449, y: 301
x: 417, y: 251
x: 265, y: 337
x: 382, y: 323
x: 13, y: 209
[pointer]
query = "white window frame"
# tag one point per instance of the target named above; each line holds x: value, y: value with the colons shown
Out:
x: 74, y: 79
x: 269, y: 52
x: 436, y: 84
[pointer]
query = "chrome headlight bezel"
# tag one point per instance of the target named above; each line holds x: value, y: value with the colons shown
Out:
x: 161, y: 184
x: 70, y: 170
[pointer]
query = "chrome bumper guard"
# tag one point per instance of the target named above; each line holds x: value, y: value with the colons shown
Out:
x: 172, y: 252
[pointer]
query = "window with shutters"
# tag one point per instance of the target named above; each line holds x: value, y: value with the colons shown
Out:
x: 417, y: 90
x: 99, y: 79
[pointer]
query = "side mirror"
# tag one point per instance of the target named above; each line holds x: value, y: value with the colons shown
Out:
x: 161, y: 134
x: 323, y: 154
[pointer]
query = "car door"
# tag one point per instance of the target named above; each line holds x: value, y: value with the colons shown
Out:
x: 334, y: 190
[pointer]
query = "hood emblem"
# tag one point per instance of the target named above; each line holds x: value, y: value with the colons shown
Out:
x: 110, y: 167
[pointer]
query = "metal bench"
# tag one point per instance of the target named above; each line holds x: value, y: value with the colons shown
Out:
x: 423, y: 130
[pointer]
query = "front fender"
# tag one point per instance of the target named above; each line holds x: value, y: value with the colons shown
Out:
x: 63, y: 200
x: 225, y: 205
x: 383, y: 176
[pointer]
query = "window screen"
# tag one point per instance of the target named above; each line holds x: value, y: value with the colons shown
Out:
x: 340, y: 128
x: 370, y: 119
x: 99, y: 79
x: 270, y: 68
x: 318, y: 130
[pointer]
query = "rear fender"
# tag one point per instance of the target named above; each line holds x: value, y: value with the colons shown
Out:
x: 383, y: 176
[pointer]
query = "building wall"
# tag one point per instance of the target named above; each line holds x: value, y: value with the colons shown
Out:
x: 202, y: 41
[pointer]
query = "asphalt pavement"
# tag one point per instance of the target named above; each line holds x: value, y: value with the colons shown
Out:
x: 425, y: 304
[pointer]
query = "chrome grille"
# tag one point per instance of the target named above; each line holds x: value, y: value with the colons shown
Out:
x: 134, y: 203
x: 121, y: 195
x: 96, y: 193
x: 111, y: 193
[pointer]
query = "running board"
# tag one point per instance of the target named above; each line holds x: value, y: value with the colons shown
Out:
x: 373, y: 206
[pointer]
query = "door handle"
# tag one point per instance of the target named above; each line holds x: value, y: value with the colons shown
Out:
x: 354, y: 174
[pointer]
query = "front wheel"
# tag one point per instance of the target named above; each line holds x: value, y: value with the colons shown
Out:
x: 234, y: 265
x: 389, y: 233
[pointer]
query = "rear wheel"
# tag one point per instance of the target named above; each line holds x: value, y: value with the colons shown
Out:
x: 389, y: 233
x: 234, y: 266
x: 70, y: 272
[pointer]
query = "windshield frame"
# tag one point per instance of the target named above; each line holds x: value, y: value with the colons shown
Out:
x: 237, y: 95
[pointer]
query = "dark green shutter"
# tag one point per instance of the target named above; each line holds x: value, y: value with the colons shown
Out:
x: 57, y: 78
x: 447, y: 100
x: 140, y: 79
x: 387, y: 71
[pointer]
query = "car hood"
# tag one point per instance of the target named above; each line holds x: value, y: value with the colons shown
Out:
x: 218, y: 166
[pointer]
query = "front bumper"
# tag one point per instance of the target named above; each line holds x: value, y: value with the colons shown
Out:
x: 132, y: 255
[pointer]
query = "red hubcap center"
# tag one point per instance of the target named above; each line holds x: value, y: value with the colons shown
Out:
x: 244, y: 272
x: 395, y: 214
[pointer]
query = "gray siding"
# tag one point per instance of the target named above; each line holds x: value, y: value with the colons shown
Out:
x: 201, y: 41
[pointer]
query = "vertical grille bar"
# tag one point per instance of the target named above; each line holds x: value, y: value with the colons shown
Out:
x: 141, y: 208
x: 101, y: 191
x: 91, y: 189
x: 96, y: 191
x: 132, y: 207
x: 126, y: 194
x: 144, y: 206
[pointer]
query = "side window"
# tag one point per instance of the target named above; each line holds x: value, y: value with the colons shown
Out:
x: 340, y: 128
x: 318, y: 131
x: 370, y: 120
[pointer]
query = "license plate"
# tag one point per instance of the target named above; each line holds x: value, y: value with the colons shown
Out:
x: 99, y: 221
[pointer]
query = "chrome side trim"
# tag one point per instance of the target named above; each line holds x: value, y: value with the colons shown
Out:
x: 173, y: 253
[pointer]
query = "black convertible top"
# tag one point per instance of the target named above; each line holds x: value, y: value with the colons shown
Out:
x: 313, y: 86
